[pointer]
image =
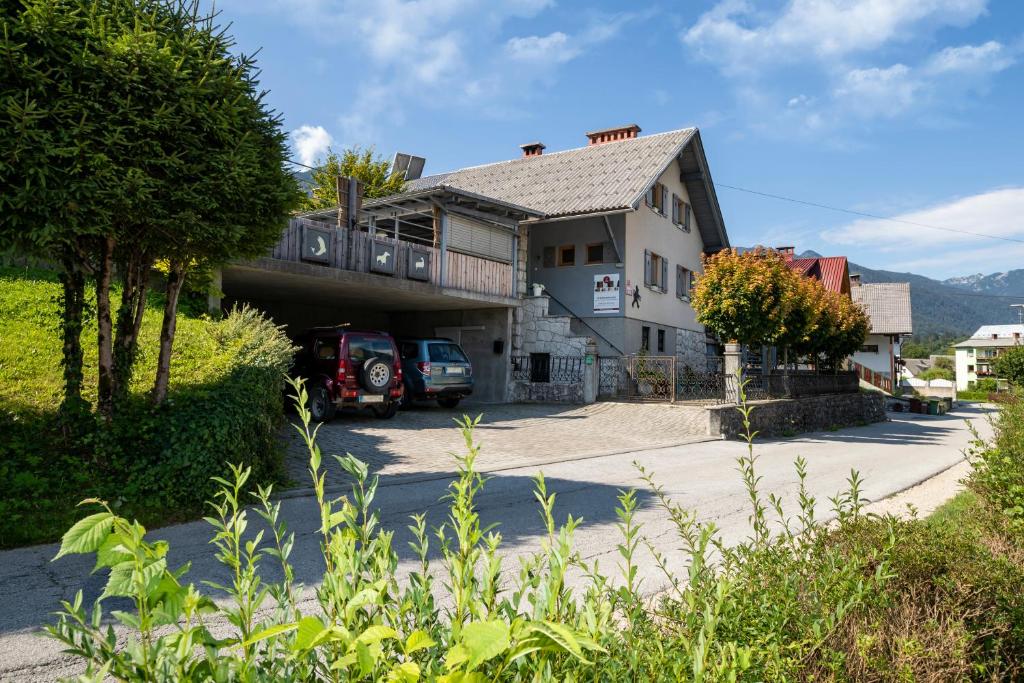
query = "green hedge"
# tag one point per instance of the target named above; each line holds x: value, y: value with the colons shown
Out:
x: 225, y: 406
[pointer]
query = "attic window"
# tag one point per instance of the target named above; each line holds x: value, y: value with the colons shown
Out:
x: 656, y: 198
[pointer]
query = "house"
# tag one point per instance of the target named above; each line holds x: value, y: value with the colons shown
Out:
x: 833, y: 272
x: 888, y: 306
x: 614, y: 231
x: 625, y: 221
x: 974, y: 356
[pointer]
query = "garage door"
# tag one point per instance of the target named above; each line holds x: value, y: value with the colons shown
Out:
x: 479, y: 239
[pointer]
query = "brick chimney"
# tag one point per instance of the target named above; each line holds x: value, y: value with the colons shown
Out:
x: 855, y: 279
x: 599, y: 137
x: 787, y: 252
x: 532, y: 149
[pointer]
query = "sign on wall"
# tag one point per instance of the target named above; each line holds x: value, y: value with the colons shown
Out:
x: 606, y: 293
x: 316, y: 244
x: 419, y: 264
x: 382, y: 257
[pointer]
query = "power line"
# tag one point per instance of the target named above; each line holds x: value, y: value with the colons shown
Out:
x: 864, y: 214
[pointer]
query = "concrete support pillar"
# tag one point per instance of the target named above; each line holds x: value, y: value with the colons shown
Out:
x: 733, y: 363
x: 591, y: 372
x: 215, y: 293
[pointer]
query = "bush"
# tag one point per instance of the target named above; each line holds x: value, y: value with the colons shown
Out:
x: 154, y: 463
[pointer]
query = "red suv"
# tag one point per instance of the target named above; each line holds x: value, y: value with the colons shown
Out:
x: 347, y: 368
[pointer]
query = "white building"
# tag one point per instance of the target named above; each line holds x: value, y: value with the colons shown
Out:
x: 888, y: 306
x: 974, y: 356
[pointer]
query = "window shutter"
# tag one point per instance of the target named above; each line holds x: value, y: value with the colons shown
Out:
x: 664, y: 275
x: 648, y: 275
x: 549, y: 257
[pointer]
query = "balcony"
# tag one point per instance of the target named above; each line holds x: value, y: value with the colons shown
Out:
x: 410, y: 260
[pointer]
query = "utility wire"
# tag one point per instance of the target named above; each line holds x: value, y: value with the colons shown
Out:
x: 870, y: 215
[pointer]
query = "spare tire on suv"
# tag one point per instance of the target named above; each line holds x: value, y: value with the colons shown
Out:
x: 376, y: 375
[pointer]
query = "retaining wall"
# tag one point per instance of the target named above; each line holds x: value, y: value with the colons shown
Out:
x: 782, y: 417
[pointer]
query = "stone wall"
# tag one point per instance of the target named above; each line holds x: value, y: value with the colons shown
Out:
x: 691, y: 349
x: 543, y: 333
x: 530, y: 392
x: 783, y: 417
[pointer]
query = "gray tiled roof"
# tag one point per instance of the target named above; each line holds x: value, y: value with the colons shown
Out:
x: 604, y: 177
x: 887, y: 304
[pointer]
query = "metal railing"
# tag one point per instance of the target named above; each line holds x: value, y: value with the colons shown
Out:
x: 543, y: 368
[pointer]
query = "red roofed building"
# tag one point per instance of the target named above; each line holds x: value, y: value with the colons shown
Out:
x: 831, y: 271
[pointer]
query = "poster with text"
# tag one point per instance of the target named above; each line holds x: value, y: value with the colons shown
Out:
x: 606, y: 293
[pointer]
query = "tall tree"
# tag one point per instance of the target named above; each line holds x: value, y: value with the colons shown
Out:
x: 131, y: 134
x: 372, y: 171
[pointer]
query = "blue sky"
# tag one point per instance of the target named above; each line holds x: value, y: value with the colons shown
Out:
x: 908, y: 108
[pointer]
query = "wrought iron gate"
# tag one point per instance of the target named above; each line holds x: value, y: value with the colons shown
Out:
x: 637, y: 378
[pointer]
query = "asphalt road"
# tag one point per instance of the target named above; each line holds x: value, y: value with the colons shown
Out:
x: 890, y: 457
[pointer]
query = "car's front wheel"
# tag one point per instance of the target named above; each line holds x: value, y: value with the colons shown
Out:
x: 321, y: 407
x: 449, y: 402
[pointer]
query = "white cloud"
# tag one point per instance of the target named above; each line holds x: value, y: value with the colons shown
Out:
x: 738, y: 38
x: 311, y: 143
x: 996, y: 212
x: 990, y: 57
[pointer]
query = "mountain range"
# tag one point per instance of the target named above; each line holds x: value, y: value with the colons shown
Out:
x: 957, y: 306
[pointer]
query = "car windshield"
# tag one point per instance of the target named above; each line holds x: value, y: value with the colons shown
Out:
x: 362, y: 348
x: 446, y: 352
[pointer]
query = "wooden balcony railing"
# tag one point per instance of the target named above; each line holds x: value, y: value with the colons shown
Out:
x: 351, y: 250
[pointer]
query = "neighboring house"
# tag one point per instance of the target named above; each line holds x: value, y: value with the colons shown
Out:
x: 974, y: 356
x: 625, y: 222
x: 831, y: 271
x: 888, y: 306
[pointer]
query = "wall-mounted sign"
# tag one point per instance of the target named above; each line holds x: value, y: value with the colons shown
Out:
x: 316, y: 244
x: 382, y: 257
x: 606, y: 293
x: 419, y: 264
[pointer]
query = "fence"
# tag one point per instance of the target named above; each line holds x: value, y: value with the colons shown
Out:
x: 547, y: 369
x: 352, y: 250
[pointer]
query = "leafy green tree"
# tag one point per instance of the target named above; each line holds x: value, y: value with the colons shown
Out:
x: 746, y: 298
x: 374, y: 172
x: 1010, y: 365
x: 132, y: 135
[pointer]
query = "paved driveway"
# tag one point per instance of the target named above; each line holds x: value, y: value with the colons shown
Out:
x: 416, y: 444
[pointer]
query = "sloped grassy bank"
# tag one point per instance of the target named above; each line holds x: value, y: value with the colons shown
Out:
x: 155, y: 463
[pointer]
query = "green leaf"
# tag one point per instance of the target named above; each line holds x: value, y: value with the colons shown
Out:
x: 484, y: 640
x: 87, y: 535
x: 309, y: 629
x: 376, y: 633
x: 418, y: 640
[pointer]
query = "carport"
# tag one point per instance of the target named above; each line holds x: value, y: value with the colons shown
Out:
x: 464, y: 246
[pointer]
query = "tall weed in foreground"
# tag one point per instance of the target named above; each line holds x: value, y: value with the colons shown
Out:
x: 762, y: 610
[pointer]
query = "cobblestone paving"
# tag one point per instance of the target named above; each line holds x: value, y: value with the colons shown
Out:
x: 419, y: 441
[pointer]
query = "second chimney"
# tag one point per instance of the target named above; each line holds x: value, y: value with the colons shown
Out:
x: 532, y: 149
x: 599, y: 137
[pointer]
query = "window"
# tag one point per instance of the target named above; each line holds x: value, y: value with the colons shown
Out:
x: 680, y: 213
x: 869, y: 348
x: 684, y: 282
x: 540, y: 367
x: 645, y: 338
x: 655, y: 271
x: 595, y: 253
x: 567, y: 255
x: 661, y: 341
x: 656, y: 197
x: 446, y: 352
